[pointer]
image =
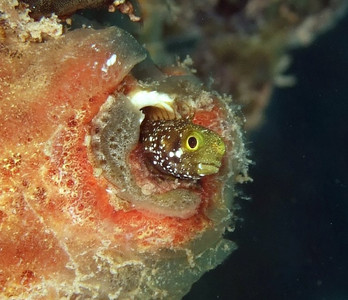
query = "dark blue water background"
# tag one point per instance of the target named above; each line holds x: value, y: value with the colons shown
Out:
x: 293, y: 242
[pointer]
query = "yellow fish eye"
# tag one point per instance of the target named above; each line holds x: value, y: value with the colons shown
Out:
x: 193, y: 141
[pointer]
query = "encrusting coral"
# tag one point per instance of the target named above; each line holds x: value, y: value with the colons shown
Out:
x: 81, y: 213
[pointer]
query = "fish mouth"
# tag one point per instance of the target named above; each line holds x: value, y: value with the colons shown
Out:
x: 207, y: 169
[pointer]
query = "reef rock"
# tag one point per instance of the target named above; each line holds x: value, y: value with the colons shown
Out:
x: 68, y: 228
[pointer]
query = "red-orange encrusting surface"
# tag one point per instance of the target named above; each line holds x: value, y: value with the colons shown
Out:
x: 210, y: 118
x: 49, y: 193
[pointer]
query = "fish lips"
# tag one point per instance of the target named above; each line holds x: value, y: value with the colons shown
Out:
x: 208, y: 169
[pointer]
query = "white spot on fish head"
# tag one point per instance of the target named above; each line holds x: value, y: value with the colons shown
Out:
x: 178, y: 153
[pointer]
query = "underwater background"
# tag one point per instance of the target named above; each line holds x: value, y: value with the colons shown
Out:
x: 293, y: 239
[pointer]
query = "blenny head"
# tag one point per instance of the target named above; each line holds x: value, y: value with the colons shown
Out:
x: 181, y: 148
